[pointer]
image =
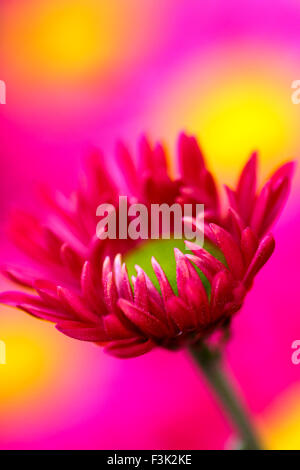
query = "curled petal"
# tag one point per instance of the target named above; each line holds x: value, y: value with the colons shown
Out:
x: 19, y: 275
x: 220, y: 294
x: 182, y: 271
x: 204, y: 265
x: 74, y: 304
x: 190, y: 159
x: 44, y: 313
x: 236, y: 222
x: 79, y: 331
x: 246, y: 188
x: 115, y: 329
x: 14, y: 298
x: 71, y: 258
x: 211, y: 188
x: 278, y: 197
x: 286, y: 170
x: 248, y: 245
x: 263, y: 253
x: 109, y: 286
x: 198, y: 301
x: 230, y: 250
x: 154, y: 299
x: 206, y: 262
x: 260, y: 209
x: 118, y: 272
x: 48, y: 292
x: 90, y: 282
x: 231, y: 197
x: 153, y: 293
x: 147, y: 323
x: 181, y: 314
x: 126, y: 291
x: 141, y: 291
x: 165, y: 286
x: 128, y: 348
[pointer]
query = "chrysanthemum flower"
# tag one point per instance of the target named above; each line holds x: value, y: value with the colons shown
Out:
x: 88, y: 299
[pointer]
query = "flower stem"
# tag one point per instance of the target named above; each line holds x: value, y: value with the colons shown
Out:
x: 209, y: 361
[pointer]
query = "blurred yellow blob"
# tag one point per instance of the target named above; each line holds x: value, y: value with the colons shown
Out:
x: 24, y: 365
x: 59, y: 38
x: 28, y: 356
x: 280, y: 429
x: 241, y: 117
x: 235, y: 103
x: 69, y: 39
x: 67, y: 36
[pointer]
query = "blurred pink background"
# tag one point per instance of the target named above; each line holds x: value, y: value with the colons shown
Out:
x: 87, y: 72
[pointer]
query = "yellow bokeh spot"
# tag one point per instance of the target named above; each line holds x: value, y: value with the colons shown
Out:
x: 280, y: 428
x: 235, y: 103
x: 66, y: 39
x: 25, y: 364
x: 242, y: 117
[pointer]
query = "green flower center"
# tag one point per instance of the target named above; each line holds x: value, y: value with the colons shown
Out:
x: 163, y: 251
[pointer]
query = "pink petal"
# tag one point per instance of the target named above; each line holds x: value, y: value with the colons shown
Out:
x: 115, y: 329
x: 230, y: 250
x: 181, y: 314
x: 19, y: 275
x: 109, y: 287
x: 278, y: 197
x: 182, y: 271
x: 198, y: 301
x: 151, y: 288
x: 236, y: 222
x: 71, y: 259
x: 206, y: 262
x: 146, y: 322
x: 141, y: 292
x: 165, y: 286
x: 126, y: 290
x: 231, y: 197
x: 263, y: 253
x: 129, y: 348
x: 77, y: 331
x: 75, y: 305
x: 190, y: 160
x: 14, y: 298
x: 220, y: 294
x: 43, y: 313
x: 246, y: 188
x: 248, y: 245
x: 210, y: 188
x: 260, y: 209
x: 48, y: 292
x: 90, y: 286
x: 286, y: 170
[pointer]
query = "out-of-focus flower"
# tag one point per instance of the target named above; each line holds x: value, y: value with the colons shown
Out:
x: 88, y: 299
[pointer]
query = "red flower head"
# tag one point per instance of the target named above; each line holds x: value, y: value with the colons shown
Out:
x: 78, y: 289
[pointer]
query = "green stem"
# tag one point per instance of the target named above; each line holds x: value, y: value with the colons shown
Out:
x: 209, y: 361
